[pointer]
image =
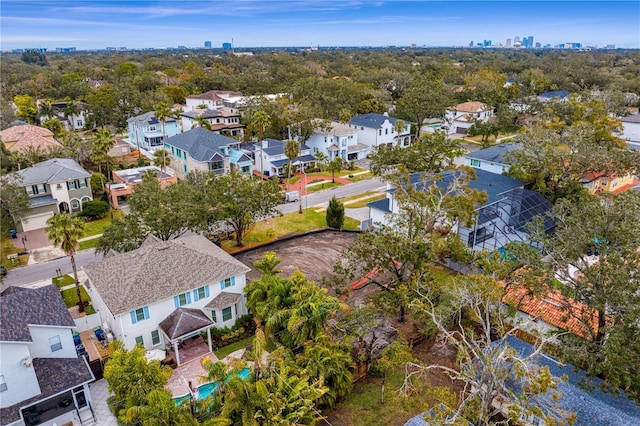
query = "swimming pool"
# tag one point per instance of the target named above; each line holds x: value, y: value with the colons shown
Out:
x: 204, y: 391
x: 434, y: 126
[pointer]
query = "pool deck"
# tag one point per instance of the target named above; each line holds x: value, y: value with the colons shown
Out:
x: 188, y: 372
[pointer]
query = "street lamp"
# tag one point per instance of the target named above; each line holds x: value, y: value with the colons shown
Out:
x: 24, y: 243
x: 304, y: 176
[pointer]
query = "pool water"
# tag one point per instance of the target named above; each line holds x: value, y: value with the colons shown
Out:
x: 207, y: 389
x: 434, y: 126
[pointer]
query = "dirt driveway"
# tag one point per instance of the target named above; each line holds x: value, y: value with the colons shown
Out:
x: 313, y: 254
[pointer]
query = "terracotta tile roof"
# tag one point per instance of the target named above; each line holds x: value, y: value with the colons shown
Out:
x: 21, y: 138
x: 626, y: 187
x: 554, y: 309
x: 471, y: 107
x: 159, y: 270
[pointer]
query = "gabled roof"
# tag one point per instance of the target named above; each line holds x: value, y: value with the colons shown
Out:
x: 39, y: 306
x: 276, y: 147
x: 201, y: 144
x: 27, y: 136
x: 373, y: 120
x: 494, y: 154
x: 471, y: 107
x: 159, y: 270
x: 223, y: 300
x: 216, y: 95
x: 53, y: 171
x: 581, y: 394
x: 149, y: 118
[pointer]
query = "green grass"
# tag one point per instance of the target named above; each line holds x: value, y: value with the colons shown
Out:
x: 290, y: 223
x: 363, y: 176
x: 88, y: 244
x: 226, y: 350
x: 63, y: 280
x: 71, y: 299
x: 363, y: 406
x: 97, y: 227
x: 7, y: 248
x: 323, y: 186
x: 364, y: 202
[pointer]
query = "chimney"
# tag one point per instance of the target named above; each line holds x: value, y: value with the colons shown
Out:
x: 386, y: 114
x: 265, y: 144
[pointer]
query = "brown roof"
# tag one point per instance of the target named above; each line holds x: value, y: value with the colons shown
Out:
x: 159, y: 270
x: 471, y: 107
x: 223, y: 300
x: 215, y: 95
x: 184, y: 321
x: 554, y: 309
x: 22, y: 138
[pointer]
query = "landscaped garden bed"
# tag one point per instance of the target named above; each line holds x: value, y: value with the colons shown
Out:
x: 70, y: 297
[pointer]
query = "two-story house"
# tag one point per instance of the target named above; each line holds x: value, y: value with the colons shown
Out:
x: 337, y: 140
x: 379, y: 129
x: 269, y: 155
x: 460, y: 118
x: 72, y: 114
x: 124, y: 181
x: 59, y: 185
x: 141, y: 294
x: 502, y: 219
x: 600, y: 183
x: 218, y: 108
x: 214, y: 99
x: 42, y: 379
x: 493, y: 159
x: 145, y: 131
x: 204, y: 150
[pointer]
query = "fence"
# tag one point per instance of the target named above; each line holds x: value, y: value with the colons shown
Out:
x: 87, y: 322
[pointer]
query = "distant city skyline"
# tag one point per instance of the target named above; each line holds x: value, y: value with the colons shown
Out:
x: 87, y: 25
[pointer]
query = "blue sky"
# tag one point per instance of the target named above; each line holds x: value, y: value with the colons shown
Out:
x: 134, y: 24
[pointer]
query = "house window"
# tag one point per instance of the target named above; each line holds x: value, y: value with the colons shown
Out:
x: 200, y: 293
x: 226, y: 314
x: 184, y: 168
x: 75, y: 204
x: 475, y: 163
x: 178, y: 152
x: 155, y: 337
x: 227, y: 282
x: 85, y: 199
x: 139, y: 341
x: 380, y: 132
x: 36, y: 189
x: 183, y: 299
x: 139, y: 314
x: 55, y: 343
x: 213, y: 316
x: 3, y: 384
x: 386, y: 131
x: 83, y: 183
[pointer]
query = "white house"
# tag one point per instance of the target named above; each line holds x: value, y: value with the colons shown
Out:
x: 631, y: 128
x: 460, y: 118
x: 218, y: 108
x: 146, y: 131
x: 269, y: 155
x: 42, y: 379
x: 167, y: 291
x: 214, y: 99
x: 502, y: 219
x: 54, y: 186
x: 337, y: 140
x: 378, y: 129
x: 491, y: 159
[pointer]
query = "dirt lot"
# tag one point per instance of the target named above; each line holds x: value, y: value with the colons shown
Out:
x: 313, y: 254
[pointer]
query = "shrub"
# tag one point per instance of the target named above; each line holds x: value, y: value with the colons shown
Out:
x: 335, y: 214
x: 95, y: 209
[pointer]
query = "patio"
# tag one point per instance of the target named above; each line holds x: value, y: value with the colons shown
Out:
x: 188, y: 372
x: 190, y: 349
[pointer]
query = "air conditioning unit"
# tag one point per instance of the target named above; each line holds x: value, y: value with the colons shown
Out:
x: 27, y: 362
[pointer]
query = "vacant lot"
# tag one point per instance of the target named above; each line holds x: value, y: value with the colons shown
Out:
x: 313, y: 254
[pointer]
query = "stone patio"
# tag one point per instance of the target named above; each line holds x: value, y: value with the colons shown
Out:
x: 189, y: 372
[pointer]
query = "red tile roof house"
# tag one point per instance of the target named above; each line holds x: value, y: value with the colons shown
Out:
x: 42, y: 378
x: 166, y: 292
x: 29, y: 137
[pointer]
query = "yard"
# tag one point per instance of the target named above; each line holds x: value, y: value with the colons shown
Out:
x: 7, y: 248
x: 70, y: 297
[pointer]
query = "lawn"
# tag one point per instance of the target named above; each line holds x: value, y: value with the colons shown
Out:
x: 97, y: 227
x: 88, y: 244
x: 363, y: 406
x: 63, y: 280
x: 361, y: 200
x: 323, y: 186
x: 8, y: 248
x: 70, y: 297
x: 290, y: 223
x: 226, y: 350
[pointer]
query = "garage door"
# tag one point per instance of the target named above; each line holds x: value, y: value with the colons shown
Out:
x: 36, y: 222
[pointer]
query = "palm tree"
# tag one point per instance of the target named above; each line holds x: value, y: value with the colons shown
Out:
x: 161, y: 158
x: 201, y: 121
x: 216, y: 372
x: 160, y: 409
x: 334, y: 166
x: 69, y: 111
x: 163, y: 111
x: 46, y: 109
x: 291, y: 150
x: 65, y: 231
x: 321, y: 160
x: 177, y: 114
x: 100, y: 147
x: 261, y: 121
x: 399, y: 127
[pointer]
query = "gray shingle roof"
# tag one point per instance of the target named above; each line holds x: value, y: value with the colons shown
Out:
x: 39, y: 306
x: 201, y: 144
x: 592, y: 407
x: 55, y: 375
x: 149, y: 118
x: 495, y: 153
x: 183, y: 321
x: 159, y: 270
x: 52, y: 171
x: 373, y: 120
x: 223, y: 300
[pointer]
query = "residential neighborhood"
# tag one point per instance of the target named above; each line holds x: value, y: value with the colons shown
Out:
x: 340, y: 237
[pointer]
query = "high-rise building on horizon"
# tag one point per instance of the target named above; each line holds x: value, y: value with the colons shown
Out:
x: 226, y: 46
x: 508, y: 43
x: 516, y: 39
x: 207, y: 45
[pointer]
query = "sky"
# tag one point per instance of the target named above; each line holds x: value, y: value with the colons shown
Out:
x: 97, y: 24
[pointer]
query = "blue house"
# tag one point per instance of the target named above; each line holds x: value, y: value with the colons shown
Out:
x: 146, y: 131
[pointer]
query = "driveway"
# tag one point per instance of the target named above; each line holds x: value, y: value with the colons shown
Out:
x: 35, y: 239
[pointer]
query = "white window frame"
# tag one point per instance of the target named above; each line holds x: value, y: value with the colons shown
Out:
x: 3, y: 384
x: 139, y: 340
x: 157, y: 337
x: 230, y: 314
x: 55, y: 345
